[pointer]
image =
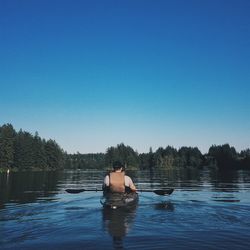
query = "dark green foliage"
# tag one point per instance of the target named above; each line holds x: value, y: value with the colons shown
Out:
x: 226, y: 157
x: 54, y: 155
x: 163, y: 158
x: 40, y: 161
x: 24, y: 154
x: 147, y: 160
x: 7, y: 138
x: 244, y: 159
x: 85, y: 161
x: 170, y: 157
x: 189, y: 156
x: 24, y: 151
x: 122, y: 153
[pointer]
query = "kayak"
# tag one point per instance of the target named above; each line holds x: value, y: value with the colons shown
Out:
x: 119, y: 200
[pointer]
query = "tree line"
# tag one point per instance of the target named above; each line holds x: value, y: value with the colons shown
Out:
x: 23, y: 151
x: 221, y: 157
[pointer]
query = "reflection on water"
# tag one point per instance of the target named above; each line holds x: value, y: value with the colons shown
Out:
x: 207, y: 206
x: 165, y: 205
x: 118, y: 222
x: 23, y: 187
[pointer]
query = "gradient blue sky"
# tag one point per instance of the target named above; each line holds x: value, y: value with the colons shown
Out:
x: 92, y: 74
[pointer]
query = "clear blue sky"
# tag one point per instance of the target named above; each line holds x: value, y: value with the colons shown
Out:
x: 92, y: 74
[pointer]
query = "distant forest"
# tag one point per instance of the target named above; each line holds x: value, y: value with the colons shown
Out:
x: 24, y: 151
x: 222, y: 157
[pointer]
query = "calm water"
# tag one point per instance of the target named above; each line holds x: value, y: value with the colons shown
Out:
x: 208, y: 210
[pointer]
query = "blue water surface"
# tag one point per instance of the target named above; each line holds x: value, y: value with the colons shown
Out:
x: 206, y: 211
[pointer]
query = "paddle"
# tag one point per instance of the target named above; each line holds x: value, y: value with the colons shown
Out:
x: 157, y: 191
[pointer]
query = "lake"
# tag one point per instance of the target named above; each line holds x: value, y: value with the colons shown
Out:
x: 208, y: 210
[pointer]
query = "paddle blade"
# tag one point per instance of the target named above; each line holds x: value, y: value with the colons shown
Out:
x: 74, y: 191
x: 164, y: 191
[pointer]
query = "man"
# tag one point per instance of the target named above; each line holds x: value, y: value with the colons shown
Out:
x: 117, y: 182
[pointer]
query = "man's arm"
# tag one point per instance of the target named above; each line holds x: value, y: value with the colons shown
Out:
x: 130, y: 183
x: 106, y: 181
x: 105, y: 185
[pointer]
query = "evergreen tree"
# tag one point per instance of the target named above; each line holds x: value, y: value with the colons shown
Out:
x: 39, y: 154
x: 7, y: 137
x: 147, y: 160
x: 245, y: 159
x: 54, y: 155
x: 24, y: 152
x: 122, y: 153
x: 225, y: 156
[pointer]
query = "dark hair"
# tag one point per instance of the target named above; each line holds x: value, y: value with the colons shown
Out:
x: 117, y: 165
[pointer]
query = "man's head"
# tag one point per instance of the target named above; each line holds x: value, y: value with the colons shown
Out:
x: 117, y: 165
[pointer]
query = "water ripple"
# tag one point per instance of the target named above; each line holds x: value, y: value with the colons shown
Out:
x: 204, y: 212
